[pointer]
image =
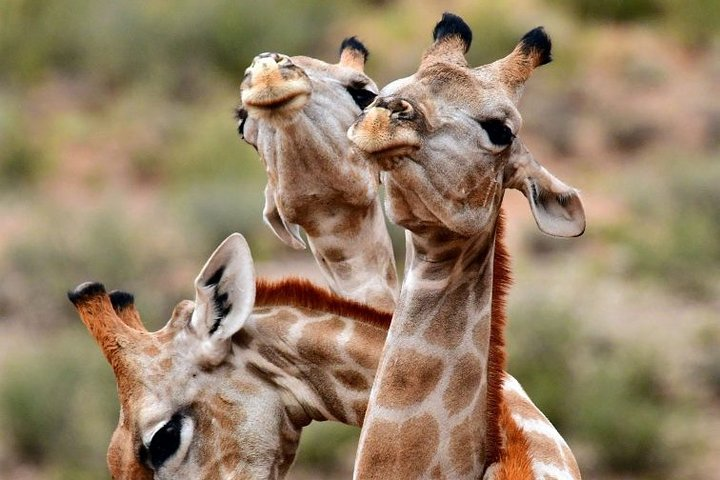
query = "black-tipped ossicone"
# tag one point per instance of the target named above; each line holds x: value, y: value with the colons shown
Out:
x: 85, y: 291
x: 537, y: 42
x: 452, y: 25
x: 121, y: 300
x: 355, y: 44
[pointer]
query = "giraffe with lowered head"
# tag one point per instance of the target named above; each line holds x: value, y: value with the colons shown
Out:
x: 295, y: 112
x: 225, y: 388
x: 447, y: 141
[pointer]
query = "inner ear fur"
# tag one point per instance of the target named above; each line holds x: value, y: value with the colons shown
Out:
x: 224, y: 297
x: 557, y: 207
x: 557, y: 213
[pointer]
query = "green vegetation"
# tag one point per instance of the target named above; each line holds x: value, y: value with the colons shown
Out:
x: 677, y: 236
x: 56, y: 401
x: 595, y: 392
x: 120, y: 162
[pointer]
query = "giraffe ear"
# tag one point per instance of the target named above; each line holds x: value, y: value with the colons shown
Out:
x: 289, y: 233
x: 224, y: 297
x: 557, y: 207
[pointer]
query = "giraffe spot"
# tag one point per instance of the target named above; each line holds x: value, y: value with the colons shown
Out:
x: 326, y: 389
x: 334, y: 254
x: 351, y: 222
x: 464, y: 383
x: 447, y: 328
x: 166, y: 363
x: 151, y: 350
x: 481, y: 336
x: 423, y: 301
x: 245, y: 387
x: 545, y: 449
x: 394, y: 450
x: 276, y: 325
x: 343, y: 270
x: 522, y: 406
x: 434, y: 271
x: 273, y: 356
x: 436, y: 473
x: 359, y: 408
x: 216, y: 420
x: 410, y: 380
x: 467, y: 449
x: 352, y: 379
x: 317, y: 343
x: 366, y: 344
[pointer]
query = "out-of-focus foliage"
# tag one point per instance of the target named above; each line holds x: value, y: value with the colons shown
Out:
x: 676, y: 239
x: 120, y: 162
x: 56, y: 402
x: 696, y: 22
x: 138, y: 41
x: 591, y: 390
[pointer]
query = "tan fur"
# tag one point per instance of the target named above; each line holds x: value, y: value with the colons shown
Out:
x: 296, y: 114
x: 446, y: 140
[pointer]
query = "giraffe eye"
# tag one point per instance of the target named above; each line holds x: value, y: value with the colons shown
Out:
x: 362, y: 97
x: 165, y: 442
x: 498, y: 132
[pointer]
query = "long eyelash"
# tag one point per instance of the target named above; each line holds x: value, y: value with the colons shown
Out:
x: 360, y: 96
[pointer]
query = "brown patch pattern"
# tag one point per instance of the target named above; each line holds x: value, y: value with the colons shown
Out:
x: 352, y: 380
x: 412, y: 378
x: 464, y: 382
x: 402, y: 450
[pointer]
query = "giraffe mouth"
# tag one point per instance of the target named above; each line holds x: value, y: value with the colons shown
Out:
x: 264, y: 103
x: 390, y: 157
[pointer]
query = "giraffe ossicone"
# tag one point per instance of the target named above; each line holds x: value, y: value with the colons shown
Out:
x: 447, y: 141
x: 296, y: 111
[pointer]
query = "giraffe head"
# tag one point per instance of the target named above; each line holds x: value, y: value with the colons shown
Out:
x: 447, y: 138
x: 296, y: 111
x: 191, y: 405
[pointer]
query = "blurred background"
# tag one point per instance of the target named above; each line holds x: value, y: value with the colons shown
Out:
x: 120, y: 162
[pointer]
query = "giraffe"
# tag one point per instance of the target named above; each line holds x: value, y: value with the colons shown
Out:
x: 446, y: 139
x: 295, y: 112
x: 225, y: 388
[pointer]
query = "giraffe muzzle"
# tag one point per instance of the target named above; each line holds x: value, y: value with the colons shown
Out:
x: 273, y: 83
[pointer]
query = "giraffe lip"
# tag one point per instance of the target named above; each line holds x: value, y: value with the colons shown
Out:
x: 402, y: 150
x: 276, y: 103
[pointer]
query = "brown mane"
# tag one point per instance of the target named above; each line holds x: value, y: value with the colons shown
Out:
x: 300, y: 292
x: 502, y: 279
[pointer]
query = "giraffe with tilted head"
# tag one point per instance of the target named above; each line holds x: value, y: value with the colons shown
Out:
x: 225, y: 388
x: 296, y: 111
x: 447, y: 141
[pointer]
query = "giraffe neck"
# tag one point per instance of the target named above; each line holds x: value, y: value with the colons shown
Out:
x: 432, y: 387
x: 319, y: 349
x: 323, y: 187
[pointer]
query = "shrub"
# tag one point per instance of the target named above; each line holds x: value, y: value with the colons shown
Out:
x: 674, y: 237
x: 57, y: 400
x: 324, y: 446
x: 542, y: 340
x: 622, y: 412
